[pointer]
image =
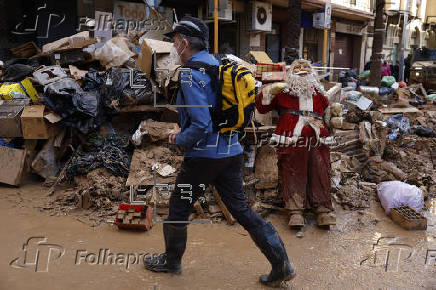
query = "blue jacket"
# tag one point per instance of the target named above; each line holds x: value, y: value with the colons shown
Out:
x: 197, y: 136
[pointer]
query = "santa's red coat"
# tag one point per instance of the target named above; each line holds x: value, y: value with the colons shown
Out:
x: 287, y: 122
x: 304, y: 171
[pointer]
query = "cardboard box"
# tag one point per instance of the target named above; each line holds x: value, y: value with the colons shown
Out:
x: 269, y: 67
x: 11, y: 165
x: 10, y: 112
x: 33, y: 124
x: 273, y: 76
x: 145, y: 58
x: 255, y: 57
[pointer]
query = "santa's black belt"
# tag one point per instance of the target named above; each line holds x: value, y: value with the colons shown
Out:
x: 300, y: 113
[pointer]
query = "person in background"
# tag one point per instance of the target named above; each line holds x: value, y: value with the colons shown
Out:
x: 367, y: 66
x: 407, y: 64
x: 385, y: 69
x: 396, y: 70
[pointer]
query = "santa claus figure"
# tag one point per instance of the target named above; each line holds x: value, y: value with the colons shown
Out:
x: 301, y: 136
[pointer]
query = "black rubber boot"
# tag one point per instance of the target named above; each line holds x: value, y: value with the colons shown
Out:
x: 271, y: 245
x: 175, y: 245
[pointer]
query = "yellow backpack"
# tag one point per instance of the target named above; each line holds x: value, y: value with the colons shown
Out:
x: 235, y: 87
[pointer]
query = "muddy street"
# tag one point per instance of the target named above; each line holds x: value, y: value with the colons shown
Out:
x: 366, y: 250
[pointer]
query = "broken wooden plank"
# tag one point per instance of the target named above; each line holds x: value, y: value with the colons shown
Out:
x: 199, y: 209
x: 405, y: 110
x: 140, y: 108
x: 227, y: 214
x: 269, y: 206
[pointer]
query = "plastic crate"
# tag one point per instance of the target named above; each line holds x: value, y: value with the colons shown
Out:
x: 268, y: 67
x: 145, y: 215
x: 408, y: 218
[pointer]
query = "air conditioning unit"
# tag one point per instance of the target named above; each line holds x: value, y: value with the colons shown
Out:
x: 318, y: 20
x: 225, y: 12
x: 261, y: 16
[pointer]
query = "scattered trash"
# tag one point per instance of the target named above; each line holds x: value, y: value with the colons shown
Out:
x: 396, y: 193
x: 12, y: 165
x: 408, y: 218
x: 399, y: 125
x: 45, y: 163
x: 10, y: 112
x: 165, y: 169
x: 423, y: 131
x: 134, y: 217
x: 21, y: 90
x: 363, y: 103
x: 114, y: 52
x: 387, y: 81
x: 118, y: 91
x: 49, y: 74
x: 16, y: 72
x: 79, y: 109
x: 104, y: 152
x: 373, y: 91
x: 385, y: 91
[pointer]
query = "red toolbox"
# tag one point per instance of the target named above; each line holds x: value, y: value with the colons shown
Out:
x: 134, y: 217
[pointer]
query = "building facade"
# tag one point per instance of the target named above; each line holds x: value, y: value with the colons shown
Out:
x: 417, y: 33
x: 245, y: 25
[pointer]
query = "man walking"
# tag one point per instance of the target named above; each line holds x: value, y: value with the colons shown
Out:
x: 210, y: 158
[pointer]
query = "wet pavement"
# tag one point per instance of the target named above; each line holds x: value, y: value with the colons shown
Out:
x: 366, y: 250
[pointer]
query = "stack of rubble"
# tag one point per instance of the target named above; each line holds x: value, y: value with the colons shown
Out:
x: 388, y: 139
x: 68, y: 111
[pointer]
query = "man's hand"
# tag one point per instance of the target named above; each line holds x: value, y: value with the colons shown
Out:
x: 173, y: 135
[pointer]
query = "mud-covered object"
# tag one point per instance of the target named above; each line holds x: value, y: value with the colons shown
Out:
x: 79, y: 109
x: 125, y: 87
x: 109, y: 155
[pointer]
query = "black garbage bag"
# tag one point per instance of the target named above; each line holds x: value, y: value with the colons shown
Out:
x: 423, y: 131
x: 385, y: 91
x: 93, y: 80
x: 352, y: 73
x: 79, y: 109
x: 16, y: 72
x: 107, y: 153
x: 418, y: 101
x: 125, y: 87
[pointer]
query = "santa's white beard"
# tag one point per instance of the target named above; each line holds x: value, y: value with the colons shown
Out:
x: 304, y: 86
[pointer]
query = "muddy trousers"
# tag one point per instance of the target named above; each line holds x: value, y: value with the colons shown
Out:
x: 226, y: 175
x: 305, y: 177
